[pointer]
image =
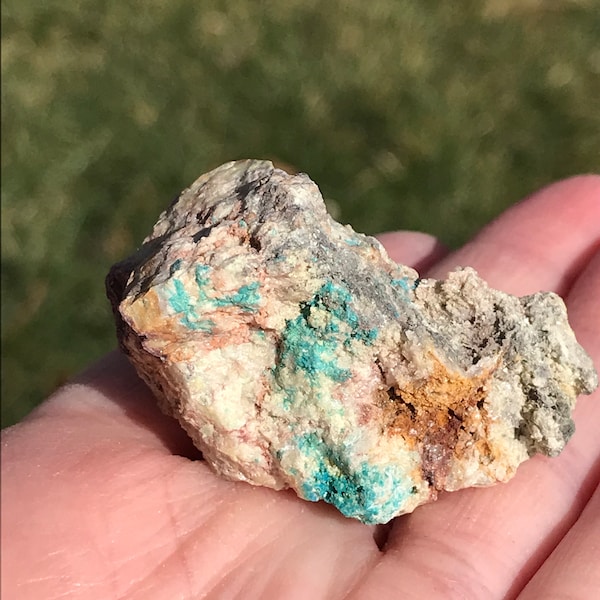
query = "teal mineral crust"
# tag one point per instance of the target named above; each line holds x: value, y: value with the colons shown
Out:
x: 191, y: 307
x: 312, y: 345
x: 371, y: 493
x: 296, y: 354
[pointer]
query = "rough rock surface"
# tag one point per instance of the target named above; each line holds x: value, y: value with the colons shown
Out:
x: 297, y: 355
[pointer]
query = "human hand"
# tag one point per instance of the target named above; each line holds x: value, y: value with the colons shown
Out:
x: 101, y: 500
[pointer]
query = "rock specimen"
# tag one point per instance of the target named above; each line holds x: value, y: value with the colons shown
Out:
x: 297, y: 355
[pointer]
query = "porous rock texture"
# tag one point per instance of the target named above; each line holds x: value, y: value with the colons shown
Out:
x: 296, y: 354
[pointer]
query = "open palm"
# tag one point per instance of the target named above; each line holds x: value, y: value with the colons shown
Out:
x: 100, y: 497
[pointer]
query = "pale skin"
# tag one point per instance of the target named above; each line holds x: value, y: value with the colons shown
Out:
x: 102, y: 495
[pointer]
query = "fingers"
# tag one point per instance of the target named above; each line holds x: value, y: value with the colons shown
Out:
x: 106, y: 404
x: 572, y: 570
x: 583, y: 450
x: 482, y: 543
x: 413, y: 248
x: 117, y: 390
x: 584, y: 306
x: 538, y: 244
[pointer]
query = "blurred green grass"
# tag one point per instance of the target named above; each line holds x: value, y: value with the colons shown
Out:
x: 408, y: 114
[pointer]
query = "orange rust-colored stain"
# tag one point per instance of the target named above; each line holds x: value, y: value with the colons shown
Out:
x: 148, y: 316
x: 440, y: 416
x: 146, y: 311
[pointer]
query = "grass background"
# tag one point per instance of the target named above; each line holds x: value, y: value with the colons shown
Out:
x: 408, y: 113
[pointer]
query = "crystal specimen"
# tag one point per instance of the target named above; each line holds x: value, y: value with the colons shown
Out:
x: 296, y: 354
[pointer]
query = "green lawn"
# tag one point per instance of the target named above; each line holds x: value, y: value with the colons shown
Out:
x: 409, y: 114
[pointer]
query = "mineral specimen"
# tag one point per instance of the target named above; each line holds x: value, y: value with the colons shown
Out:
x: 296, y: 354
